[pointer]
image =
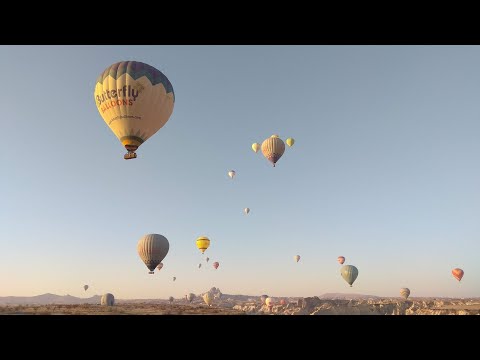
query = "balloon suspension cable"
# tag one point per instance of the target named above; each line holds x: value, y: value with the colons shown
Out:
x: 130, y: 155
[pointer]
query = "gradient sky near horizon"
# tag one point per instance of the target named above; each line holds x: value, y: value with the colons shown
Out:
x: 385, y: 171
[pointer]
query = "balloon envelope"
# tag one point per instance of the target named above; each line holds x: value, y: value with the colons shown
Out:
x: 269, y: 302
x: 273, y: 148
x: 160, y: 266
x: 203, y: 243
x: 263, y: 298
x: 231, y: 173
x: 290, y: 141
x: 107, y: 300
x: 297, y: 258
x: 152, y: 249
x: 208, y: 298
x: 341, y: 260
x: 405, y: 292
x: 85, y: 287
x: 246, y: 210
x: 349, y: 273
x: 255, y: 147
x: 216, y: 264
x: 135, y: 100
x: 174, y: 278
x: 457, y: 273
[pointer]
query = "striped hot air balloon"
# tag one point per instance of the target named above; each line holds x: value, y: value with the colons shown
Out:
x: 273, y: 148
x: 341, y: 260
x: 457, y: 274
x: 405, y: 292
x: 107, y: 300
x: 349, y: 273
x: 135, y: 100
x: 203, y: 243
x: 152, y: 249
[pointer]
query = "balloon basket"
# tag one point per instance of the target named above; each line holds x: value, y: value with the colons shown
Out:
x: 130, y: 155
x: 151, y: 272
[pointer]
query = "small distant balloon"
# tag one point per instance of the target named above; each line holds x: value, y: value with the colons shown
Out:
x: 199, y: 266
x: 171, y: 299
x: 216, y: 264
x: 255, y: 147
x: 107, y: 300
x: 246, y: 211
x: 457, y: 274
x: 207, y: 259
x: 231, y: 173
x: 208, y: 298
x: 85, y: 287
x: 405, y: 292
x: 174, y: 278
x: 341, y: 260
x: 269, y: 302
x: 290, y: 141
x: 297, y: 258
x: 160, y: 266
x: 203, y: 243
x: 263, y: 298
x: 349, y: 273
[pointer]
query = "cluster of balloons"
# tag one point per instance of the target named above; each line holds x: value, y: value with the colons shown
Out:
x: 272, y: 148
x: 136, y: 100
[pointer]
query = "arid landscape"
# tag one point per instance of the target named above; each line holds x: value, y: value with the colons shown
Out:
x: 224, y: 304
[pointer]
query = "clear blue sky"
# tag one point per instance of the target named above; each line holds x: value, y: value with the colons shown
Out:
x: 385, y: 171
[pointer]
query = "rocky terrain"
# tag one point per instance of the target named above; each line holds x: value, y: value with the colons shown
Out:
x: 224, y: 304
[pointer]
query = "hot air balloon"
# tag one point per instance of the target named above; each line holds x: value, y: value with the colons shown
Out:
x: 255, y: 147
x: 203, y: 243
x: 341, y: 260
x: 263, y: 298
x: 190, y: 297
x: 160, y: 266
x: 457, y: 274
x: 208, y: 298
x: 273, y: 149
x: 135, y: 100
x: 170, y: 299
x: 107, y: 300
x: 207, y: 259
x: 85, y: 287
x: 349, y: 273
x: 231, y: 173
x: 290, y: 141
x: 152, y: 249
x: 269, y: 303
x: 174, y: 278
x: 199, y: 266
x: 216, y: 264
x: 246, y: 211
x: 297, y: 258
x: 405, y: 292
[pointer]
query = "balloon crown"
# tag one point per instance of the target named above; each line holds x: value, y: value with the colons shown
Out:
x: 274, y: 136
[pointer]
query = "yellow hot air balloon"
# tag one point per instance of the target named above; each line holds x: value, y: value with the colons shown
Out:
x: 135, y: 100
x: 255, y: 147
x: 290, y: 141
x: 273, y: 148
x: 203, y: 243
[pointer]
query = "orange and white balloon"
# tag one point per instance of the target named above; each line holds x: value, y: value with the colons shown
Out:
x: 457, y: 273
